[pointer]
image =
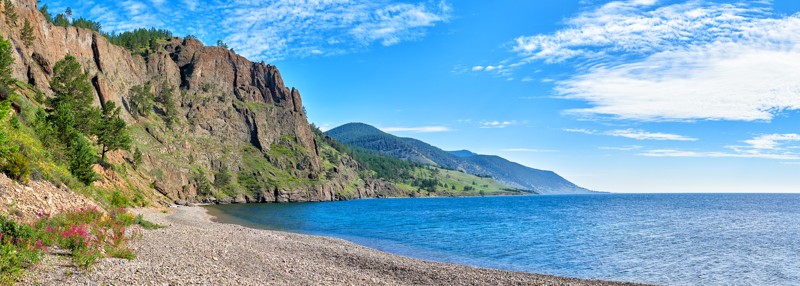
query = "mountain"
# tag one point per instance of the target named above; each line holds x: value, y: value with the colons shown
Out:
x: 361, y: 135
x: 408, y: 165
x: 207, y: 124
x: 520, y: 176
x: 371, y: 138
x: 462, y: 153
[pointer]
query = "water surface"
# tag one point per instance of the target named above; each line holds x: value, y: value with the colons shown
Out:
x: 675, y: 239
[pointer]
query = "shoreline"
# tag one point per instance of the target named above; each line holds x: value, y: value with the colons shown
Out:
x: 192, y: 248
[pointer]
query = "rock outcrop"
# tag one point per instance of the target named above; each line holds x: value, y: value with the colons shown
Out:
x: 234, y: 117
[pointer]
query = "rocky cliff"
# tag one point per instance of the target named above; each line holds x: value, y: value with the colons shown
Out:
x: 235, y: 119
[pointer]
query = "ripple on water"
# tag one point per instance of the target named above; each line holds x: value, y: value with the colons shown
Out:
x: 675, y: 239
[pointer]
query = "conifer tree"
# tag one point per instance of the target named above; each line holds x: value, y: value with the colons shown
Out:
x: 141, y: 100
x: 11, y: 14
x: 137, y: 158
x: 46, y: 14
x: 168, y: 102
x: 82, y: 159
x: 71, y: 86
x: 5, y: 61
x: 27, y: 34
x: 61, y: 20
x: 110, y: 130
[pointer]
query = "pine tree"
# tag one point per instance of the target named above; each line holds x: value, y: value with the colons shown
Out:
x: 168, y: 102
x: 47, y: 16
x: 141, y: 100
x: 5, y: 61
x: 110, y: 130
x: 27, y: 34
x: 11, y: 14
x: 137, y: 158
x: 82, y: 159
x: 5, y: 147
x: 71, y: 86
x: 61, y: 20
x: 62, y: 118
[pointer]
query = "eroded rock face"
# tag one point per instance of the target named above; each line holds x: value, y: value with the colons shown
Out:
x: 232, y: 113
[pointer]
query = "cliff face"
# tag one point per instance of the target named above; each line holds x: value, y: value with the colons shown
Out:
x: 234, y: 117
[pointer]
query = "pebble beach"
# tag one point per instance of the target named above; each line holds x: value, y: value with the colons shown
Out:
x: 192, y: 249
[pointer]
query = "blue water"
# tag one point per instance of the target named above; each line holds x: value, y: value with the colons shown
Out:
x: 674, y: 239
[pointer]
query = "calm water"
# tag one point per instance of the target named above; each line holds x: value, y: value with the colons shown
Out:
x: 675, y: 239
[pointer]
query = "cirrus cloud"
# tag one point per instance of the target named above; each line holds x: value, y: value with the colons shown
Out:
x: 698, y: 60
x: 419, y: 129
x: 275, y: 29
x: 635, y: 134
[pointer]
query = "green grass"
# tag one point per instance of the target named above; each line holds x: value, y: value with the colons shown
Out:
x: 450, y: 183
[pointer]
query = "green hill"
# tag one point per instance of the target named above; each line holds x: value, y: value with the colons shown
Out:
x: 366, y: 137
x: 408, y: 177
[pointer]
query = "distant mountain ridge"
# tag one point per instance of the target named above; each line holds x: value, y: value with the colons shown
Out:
x: 513, y: 174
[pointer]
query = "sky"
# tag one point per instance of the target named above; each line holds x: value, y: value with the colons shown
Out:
x: 620, y: 96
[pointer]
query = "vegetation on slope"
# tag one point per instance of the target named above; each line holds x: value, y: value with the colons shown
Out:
x: 87, y: 234
x: 512, y: 174
x: 60, y: 139
x: 416, y: 179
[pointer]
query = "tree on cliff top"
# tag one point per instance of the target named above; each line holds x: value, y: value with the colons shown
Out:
x: 110, y: 130
x: 46, y: 14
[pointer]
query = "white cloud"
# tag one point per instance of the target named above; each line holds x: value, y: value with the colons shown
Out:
x: 398, y: 22
x: 420, y: 129
x: 720, y: 82
x: 527, y: 150
x: 273, y: 30
x: 328, y: 27
x: 635, y: 134
x: 644, y: 135
x: 491, y: 68
x: 477, y: 68
x: 773, y: 146
x: 626, y: 148
x: 497, y: 124
x: 694, y: 154
x: 580, y: 130
x: 692, y: 61
x: 772, y: 141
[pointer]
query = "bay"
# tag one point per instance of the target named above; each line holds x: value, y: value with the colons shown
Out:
x: 674, y: 239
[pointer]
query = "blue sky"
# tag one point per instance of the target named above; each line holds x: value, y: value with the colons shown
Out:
x: 620, y: 96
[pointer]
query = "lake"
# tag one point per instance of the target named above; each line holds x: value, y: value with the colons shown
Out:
x: 674, y: 239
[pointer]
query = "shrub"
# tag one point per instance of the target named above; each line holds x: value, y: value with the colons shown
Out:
x: 16, y: 167
x: 85, y: 257
x: 19, y: 248
x: 122, y: 252
x: 146, y: 224
x: 87, y: 233
x: 119, y: 200
x: 222, y: 178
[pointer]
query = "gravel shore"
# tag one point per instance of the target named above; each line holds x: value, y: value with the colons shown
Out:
x: 193, y: 250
